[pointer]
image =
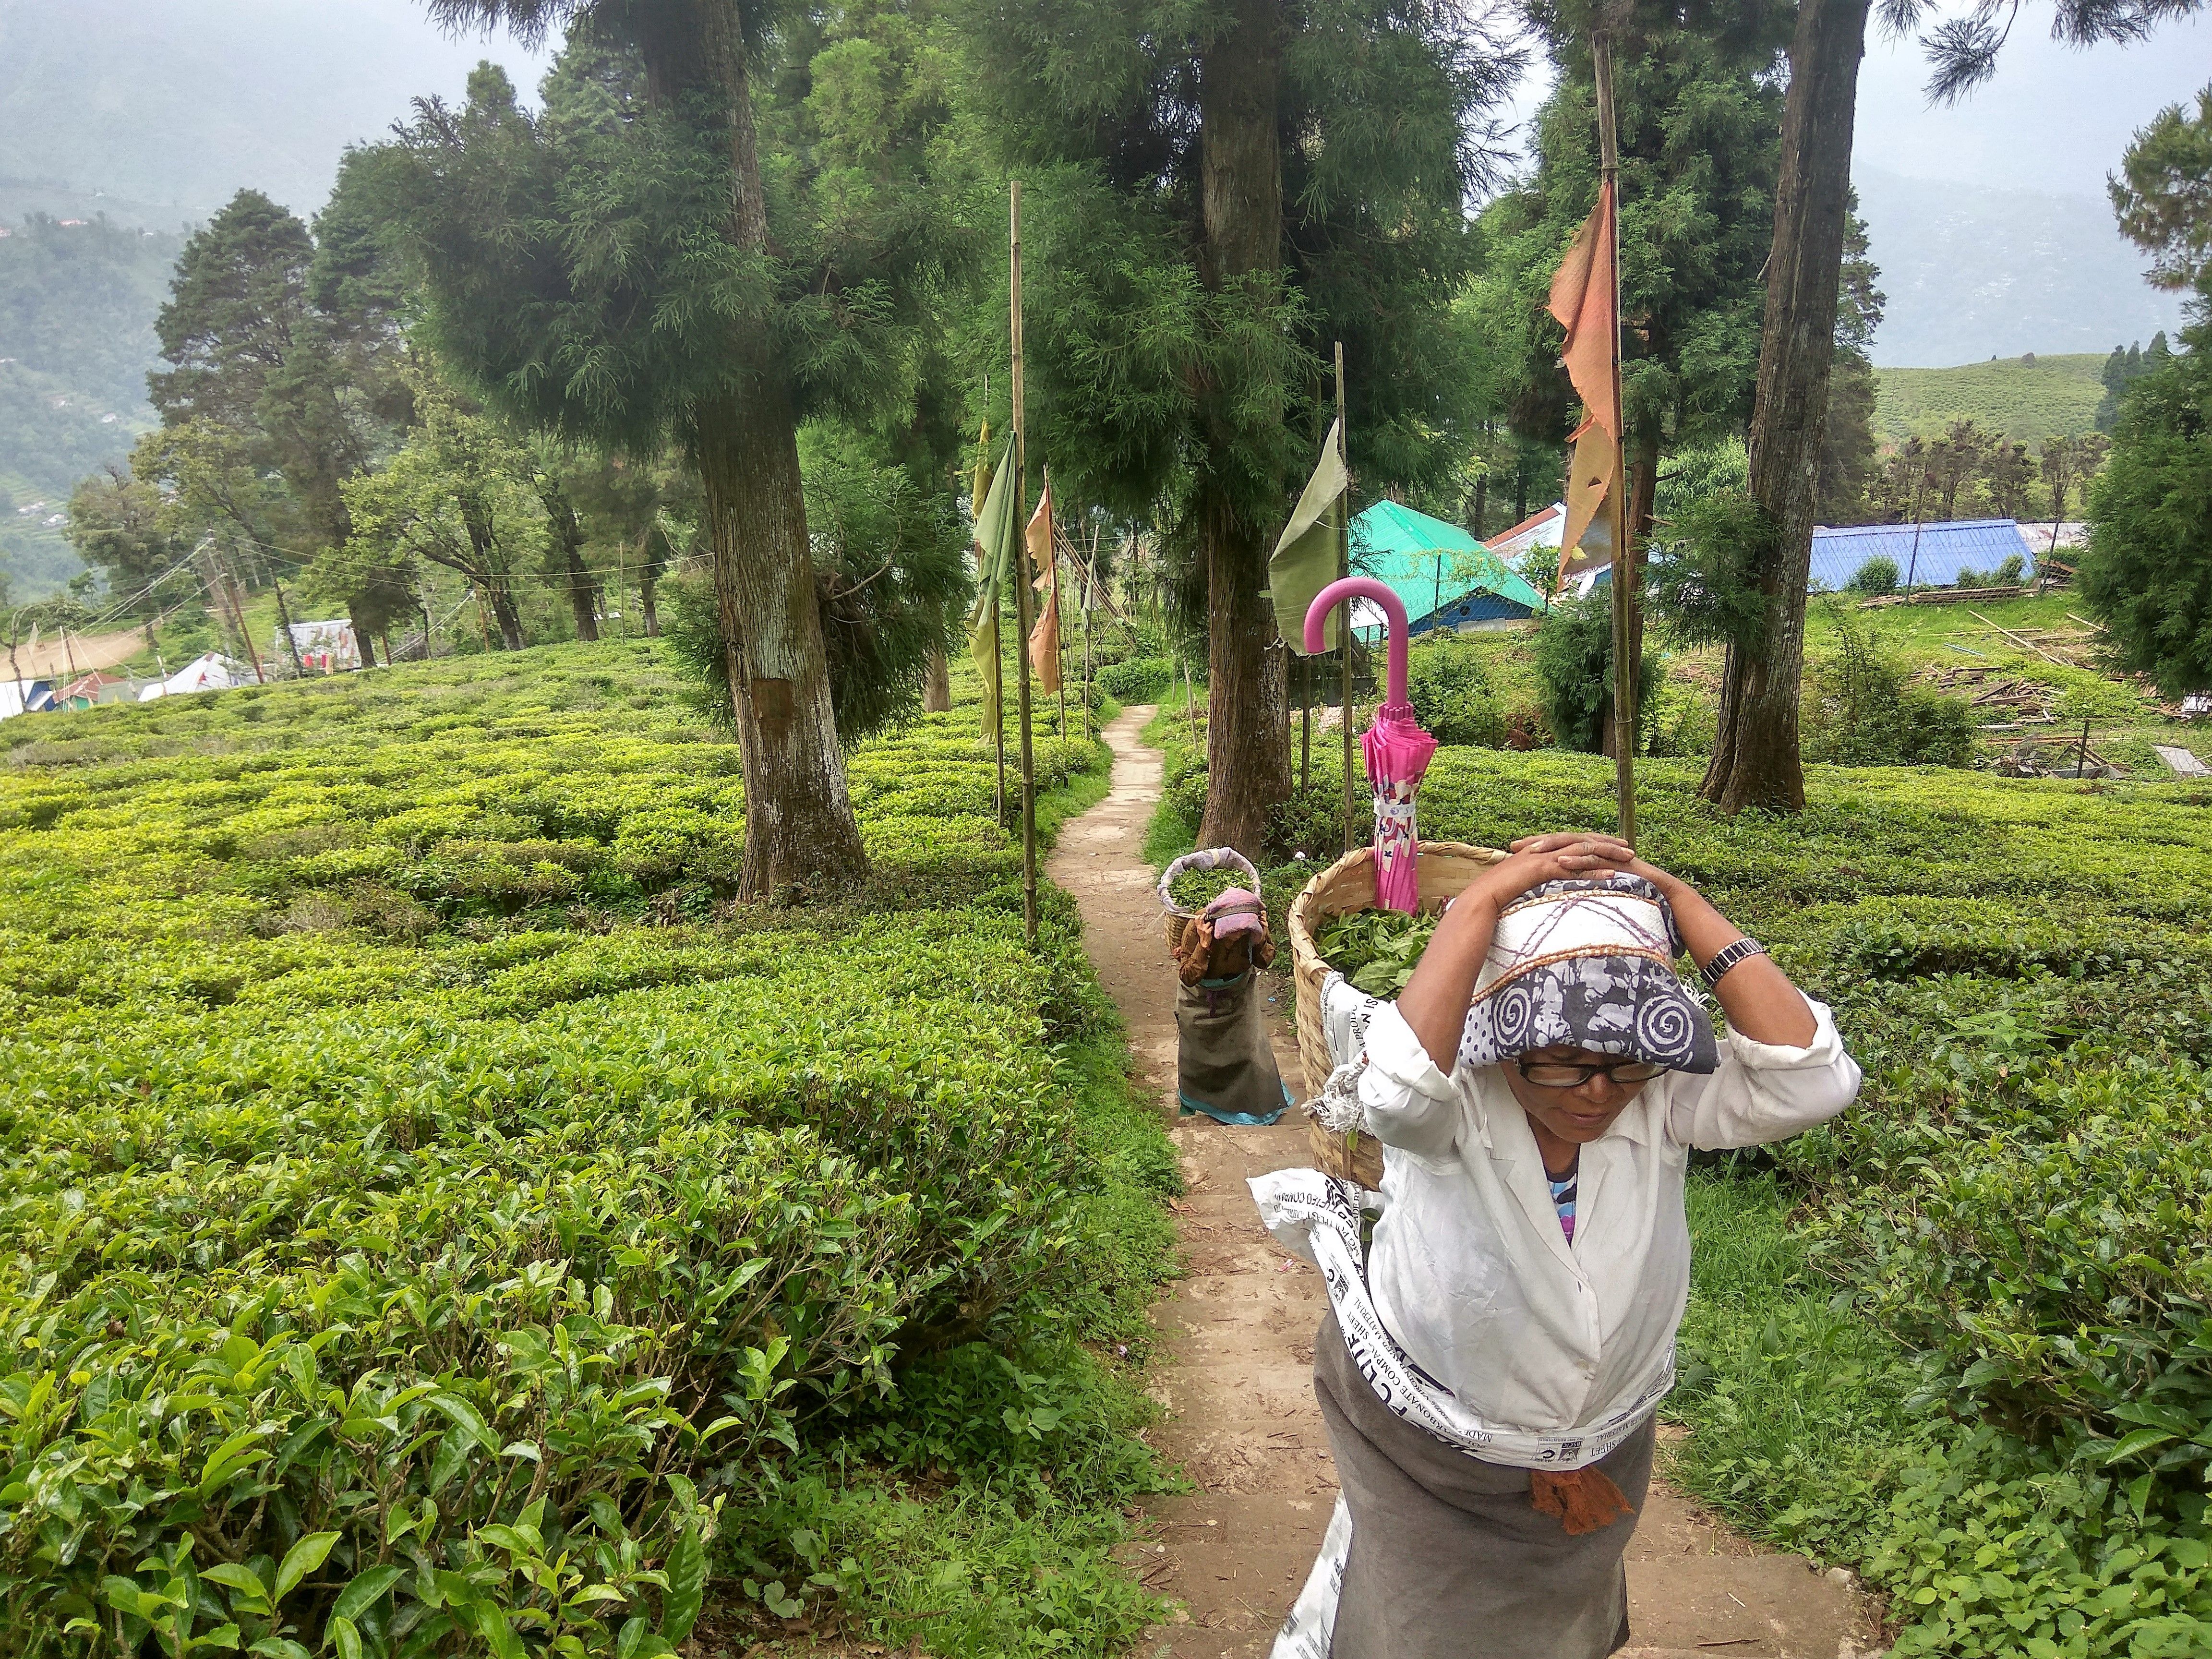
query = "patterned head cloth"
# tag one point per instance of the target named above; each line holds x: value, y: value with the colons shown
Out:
x: 1591, y: 963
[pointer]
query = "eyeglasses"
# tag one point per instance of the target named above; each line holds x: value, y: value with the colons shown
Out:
x: 1558, y: 1074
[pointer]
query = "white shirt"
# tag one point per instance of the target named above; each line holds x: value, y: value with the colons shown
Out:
x: 1469, y: 1268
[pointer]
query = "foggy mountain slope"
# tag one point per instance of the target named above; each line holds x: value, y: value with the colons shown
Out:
x: 170, y: 108
x: 1974, y: 273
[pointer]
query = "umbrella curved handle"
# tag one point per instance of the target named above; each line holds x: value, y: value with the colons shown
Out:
x: 1342, y: 591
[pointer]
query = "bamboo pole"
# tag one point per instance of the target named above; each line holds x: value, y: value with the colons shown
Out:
x: 1060, y: 617
x: 1344, y: 568
x: 1304, y: 773
x: 1089, y: 602
x: 1022, y: 568
x: 1625, y: 629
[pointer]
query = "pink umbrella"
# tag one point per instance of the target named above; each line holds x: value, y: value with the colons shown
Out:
x: 1398, y: 750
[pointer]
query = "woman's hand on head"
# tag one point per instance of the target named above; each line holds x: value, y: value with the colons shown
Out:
x: 1605, y: 852
x: 1536, y: 859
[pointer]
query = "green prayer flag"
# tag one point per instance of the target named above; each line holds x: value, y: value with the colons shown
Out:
x: 997, y: 530
x: 1304, y: 560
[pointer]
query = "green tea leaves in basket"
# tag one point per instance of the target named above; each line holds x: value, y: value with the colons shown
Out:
x: 1193, y: 889
x: 1375, y: 949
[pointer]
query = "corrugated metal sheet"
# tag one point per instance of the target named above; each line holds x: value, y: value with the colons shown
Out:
x: 1943, y: 551
x: 1437, y: 568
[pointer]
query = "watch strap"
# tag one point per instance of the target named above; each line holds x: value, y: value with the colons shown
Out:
x: 1726, y: 957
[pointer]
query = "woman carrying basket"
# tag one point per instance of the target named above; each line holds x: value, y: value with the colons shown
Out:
x: 1490, y: 1364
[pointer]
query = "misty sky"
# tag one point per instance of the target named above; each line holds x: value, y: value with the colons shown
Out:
x: 180, y: 103
x: 2055, y: 120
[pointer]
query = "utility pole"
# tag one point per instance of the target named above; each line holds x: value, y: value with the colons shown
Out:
x: 238, y: 611
x: 1626, y: 632
x: 1919, y: 489
x: 1021, y: 567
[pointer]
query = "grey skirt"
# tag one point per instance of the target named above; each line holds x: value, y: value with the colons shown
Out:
x: 1225, y: 1058
x: 1448, y: 1559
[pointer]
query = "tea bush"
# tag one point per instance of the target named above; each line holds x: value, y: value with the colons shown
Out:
x: 1138, y: 679
x: 1451, y: 693
x: 437, y: 1220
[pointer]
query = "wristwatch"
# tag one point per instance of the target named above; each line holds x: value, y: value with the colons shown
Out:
x: 1726, y: 957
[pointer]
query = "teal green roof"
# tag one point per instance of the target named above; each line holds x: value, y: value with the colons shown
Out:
x: 1430, y: 563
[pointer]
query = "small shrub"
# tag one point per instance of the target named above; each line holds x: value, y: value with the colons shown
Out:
x: 1138, y: 679
x: 1451, y: 696
x: 1574, y: 664
x: 2006, y: 575
x: 1878, y: 575
x: 1862, y: 709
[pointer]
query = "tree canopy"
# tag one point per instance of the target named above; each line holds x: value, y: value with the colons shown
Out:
x: 722, y: 224
x: 1219, y: 195
x: 2146, y: 573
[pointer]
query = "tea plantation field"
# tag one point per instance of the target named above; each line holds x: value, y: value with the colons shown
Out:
x: 1957, y: 1339
x: 437, y: 1220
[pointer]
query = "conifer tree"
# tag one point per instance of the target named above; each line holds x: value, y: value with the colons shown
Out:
x: 1698, y: 116
x: 1213, y: 196
x: 687, y: 246
x: 1848, y: 449
x: 1756, y: 761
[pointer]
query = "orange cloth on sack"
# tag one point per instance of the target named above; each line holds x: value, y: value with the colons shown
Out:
x: 1585, y: 1500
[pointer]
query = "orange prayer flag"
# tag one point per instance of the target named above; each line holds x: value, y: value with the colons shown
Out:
x: 1593, y: 475
x: 1584, y: 301
x: 1044, y: 637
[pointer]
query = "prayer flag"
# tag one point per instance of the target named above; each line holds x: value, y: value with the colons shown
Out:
x: 1044, y: 637
x: 994, y: 555
x: 1586, y: 300
x: 1587, y: 538
x: 1304, y: 559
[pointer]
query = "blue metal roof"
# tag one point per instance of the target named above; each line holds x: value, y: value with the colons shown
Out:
x: 1944, y: 550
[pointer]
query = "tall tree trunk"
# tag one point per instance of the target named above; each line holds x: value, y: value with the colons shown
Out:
x: 645, y: 597
x: 799, y: 826
x: 1248, y: 734
x: 936, y: 684
x: 503, y: 612
x: 569, y: 536
x: 1755, y: 760
x: 583, y: 593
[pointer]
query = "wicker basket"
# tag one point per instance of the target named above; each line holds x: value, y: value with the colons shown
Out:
x: 1446, y: 868
x: 1175, y: 920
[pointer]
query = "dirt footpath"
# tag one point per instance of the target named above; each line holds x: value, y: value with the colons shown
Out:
x: 1237, y: 1381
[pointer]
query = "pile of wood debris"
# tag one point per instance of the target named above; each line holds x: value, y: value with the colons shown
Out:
x: 2062, y: 759
x: 2000, y: 704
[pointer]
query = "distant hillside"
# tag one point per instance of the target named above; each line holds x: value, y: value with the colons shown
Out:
x: 76, y: 339
x: 1970, y: 272
x: 172, y: 108
x: 2026, y: 402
